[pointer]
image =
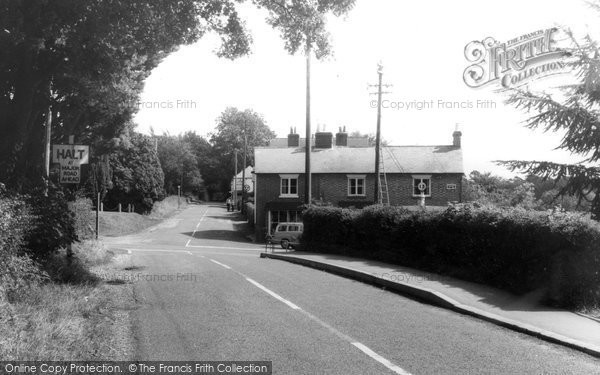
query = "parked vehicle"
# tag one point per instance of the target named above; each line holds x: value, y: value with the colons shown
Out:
x: 287, y: 235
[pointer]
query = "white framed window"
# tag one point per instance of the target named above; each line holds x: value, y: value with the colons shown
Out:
x: 356, y: 185
x: 288, y: 186
x: 450, y: 186
x: 421, y: 184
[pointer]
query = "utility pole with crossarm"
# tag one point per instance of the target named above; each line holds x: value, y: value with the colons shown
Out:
x: 379, y: 94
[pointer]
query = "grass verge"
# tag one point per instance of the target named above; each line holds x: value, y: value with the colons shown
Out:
x: 114, y: 224
x: 79, y: 315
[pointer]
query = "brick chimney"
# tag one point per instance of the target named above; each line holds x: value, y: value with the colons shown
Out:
x: 341, y: 138
x: 323, y: 140
x: 456, y: 137
x: 293, y: 138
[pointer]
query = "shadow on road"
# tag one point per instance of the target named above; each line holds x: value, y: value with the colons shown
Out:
x: 215, y: 234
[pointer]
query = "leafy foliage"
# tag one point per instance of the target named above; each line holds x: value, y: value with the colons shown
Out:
x: 53, y: 223
x: 84, y: 218
x: 179, y: 164
x: 533, y: 192
x: 88, y: 60
x: 137, y: 177
x: 232, y: 126
x: 31, y: 227
x: 577, y: 117
x: 303, y: 23
x: 485, y: 188
x: 511, y: 248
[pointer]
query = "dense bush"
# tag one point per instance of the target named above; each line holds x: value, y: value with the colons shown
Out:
x: 53, y: 224
x: 514, y: 249
x: 14, y: 219
x: 84, y: 218
x: 137, y: 177
x: 17, y: 270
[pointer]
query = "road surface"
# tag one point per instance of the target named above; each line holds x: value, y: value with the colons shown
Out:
x: 204, y: 294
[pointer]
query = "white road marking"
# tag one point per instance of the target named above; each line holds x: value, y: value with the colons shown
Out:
x: 220, y: 264
x: 366, y: 350
x: 396, y: 369
x: 273, y: 294
x: 195, y: 230
x: 202, y: 217
x: 248, y: 255
x: 227, y: 247
x: 158, y: 251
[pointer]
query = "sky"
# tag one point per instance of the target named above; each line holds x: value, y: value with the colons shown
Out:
x: 421, y: 46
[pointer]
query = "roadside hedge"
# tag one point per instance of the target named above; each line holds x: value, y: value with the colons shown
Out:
x: 37, y: 224
x: 514, y: 249
x: 17, y: 270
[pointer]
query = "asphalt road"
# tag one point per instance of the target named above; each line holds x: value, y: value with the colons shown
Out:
x: 204, y: 294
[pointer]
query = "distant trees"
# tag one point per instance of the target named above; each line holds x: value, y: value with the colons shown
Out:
x: 232, y: 126
x: 136, y: 174
x: 179, y: 164
x: 532, y: 192
x: 371, y: 138
x: 207, y: 162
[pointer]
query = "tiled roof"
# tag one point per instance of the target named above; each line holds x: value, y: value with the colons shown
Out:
x: 352, y: 142
x: 397, y: 159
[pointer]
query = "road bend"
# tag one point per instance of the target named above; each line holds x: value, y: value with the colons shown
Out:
x: 204, y: 294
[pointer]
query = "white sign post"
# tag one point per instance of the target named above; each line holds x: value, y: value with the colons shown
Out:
x: 70, y: 158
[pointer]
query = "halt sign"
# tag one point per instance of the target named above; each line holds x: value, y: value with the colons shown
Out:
x: 70, y: 158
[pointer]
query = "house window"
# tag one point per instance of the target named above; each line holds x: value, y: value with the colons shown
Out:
x: 421, y: 184
x: 356, y: 185
x: 289, y: 186
x: 450, y: 186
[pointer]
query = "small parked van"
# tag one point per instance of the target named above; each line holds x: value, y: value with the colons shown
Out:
x: 287, y: 234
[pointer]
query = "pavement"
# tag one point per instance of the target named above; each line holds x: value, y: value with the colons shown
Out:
x: 202, y: 292
x: 520, y: 313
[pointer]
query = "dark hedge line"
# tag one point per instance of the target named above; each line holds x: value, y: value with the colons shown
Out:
x: 36, y: 224
x: 513, y: 249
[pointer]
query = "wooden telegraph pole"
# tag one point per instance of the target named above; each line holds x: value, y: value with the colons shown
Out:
x: 378, y: 134
x: 379, y: 94
x: 307, y: 148
x: 243, y: 208
x: 235, y: 152
x: 47, y: 141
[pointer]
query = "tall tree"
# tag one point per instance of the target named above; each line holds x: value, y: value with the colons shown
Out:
x: 578, y: 117
x: 232, y: 126
x: 207, y: 162
x: 88, y: 60
x: 302, y: 23
x: 302, y: 26
x: 179, y: 164
x: 136, y: 173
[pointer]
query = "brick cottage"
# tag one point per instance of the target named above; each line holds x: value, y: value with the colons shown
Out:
x: 343, y: 174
